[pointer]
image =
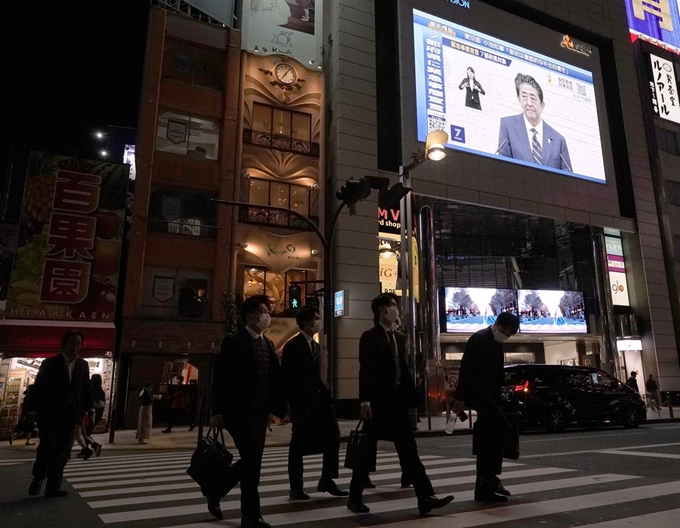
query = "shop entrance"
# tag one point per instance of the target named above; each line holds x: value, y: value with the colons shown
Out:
x: 180, y: 386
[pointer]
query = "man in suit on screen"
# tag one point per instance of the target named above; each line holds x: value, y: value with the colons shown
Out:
x: 526, y: 136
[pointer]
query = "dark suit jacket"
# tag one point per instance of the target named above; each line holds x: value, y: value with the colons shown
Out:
x: 472, y: 96
x: 304, y: 387
x: 234, y: 382
x: 54, y: 398
x: 481, y: 371
x: 514, y: 133
x: 378, y: 372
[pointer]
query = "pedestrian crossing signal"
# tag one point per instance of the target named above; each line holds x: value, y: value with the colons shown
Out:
x: 294, y: 297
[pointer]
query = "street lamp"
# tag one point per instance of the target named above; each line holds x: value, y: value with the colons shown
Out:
x: 99, y: 134
x: 435, y: 151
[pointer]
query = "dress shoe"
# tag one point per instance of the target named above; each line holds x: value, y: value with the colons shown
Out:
x: 298, y: 494
x: 489, y: 496
x: 258, y: 522
x: 500, y: 489
x: 428, y: 504
x: 87, y: 453
x: 56, y: 492
x: 214, y: 508
x: 166, y: 431
x: 357, y: 506
x: 35, y: 486
x: 331, y: 488
x: 97, y: 448
x: 369, y: 484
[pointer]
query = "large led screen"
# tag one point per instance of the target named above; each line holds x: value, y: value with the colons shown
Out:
x: 551, y: 312
x: 502, y: 100
x: 471, y: 309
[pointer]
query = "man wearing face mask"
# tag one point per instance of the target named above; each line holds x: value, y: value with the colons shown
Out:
x: 479, y: 388
x: 247, y: 387
x: 386, y: 391
x: 315, y: 427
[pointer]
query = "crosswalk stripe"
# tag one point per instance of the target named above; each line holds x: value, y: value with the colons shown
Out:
x: 399, y: 504
x: 663, y: 518
x: 339, y: 512
x: 113, y: 474
x: 111, y: 467
x: 7, y: 464
x: 143, y: 499
x: 281, y: 476
x: 638, y: 454
x: 543, y: 508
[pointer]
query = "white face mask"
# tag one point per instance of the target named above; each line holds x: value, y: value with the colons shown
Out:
x: 264, y: 322
x: 499, y: 336
x: 392, y: 314
x: 316, y: 327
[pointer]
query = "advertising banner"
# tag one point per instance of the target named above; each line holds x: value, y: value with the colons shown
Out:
x: 551, y: 312
x: 617, y: 271
x: 655, y: 21
x: 69, y: 243
x: 284, y: 27
x: 498, y: 99
x: 664, y: 87
x: 471, y: 309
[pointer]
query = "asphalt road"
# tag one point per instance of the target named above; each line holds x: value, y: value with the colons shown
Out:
x: 601, y: 478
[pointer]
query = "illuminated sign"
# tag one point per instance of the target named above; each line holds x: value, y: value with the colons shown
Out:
x: 617, y: 271
x: 655, y: 21
x: 664, y: 89
x: 624, y: 345
x: 578, y: 47
x: 339, y: 306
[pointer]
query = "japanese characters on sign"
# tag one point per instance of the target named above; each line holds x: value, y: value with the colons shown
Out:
x: 655, y: 21
x: 664, y: 89
x: 69, y: 242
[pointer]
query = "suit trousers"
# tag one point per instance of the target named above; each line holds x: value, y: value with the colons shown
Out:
x: 249, y: 434
x: 493, y: 429
x: 395, y: 426
x: 54, y: 450
x: 320, y: 423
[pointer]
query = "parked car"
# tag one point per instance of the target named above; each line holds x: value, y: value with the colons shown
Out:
x: 555, y: 396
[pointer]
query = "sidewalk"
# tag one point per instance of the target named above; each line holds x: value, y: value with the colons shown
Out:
x: 181, y: 438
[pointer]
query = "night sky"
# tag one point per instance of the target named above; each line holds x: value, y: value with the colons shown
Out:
x: 70, y: 68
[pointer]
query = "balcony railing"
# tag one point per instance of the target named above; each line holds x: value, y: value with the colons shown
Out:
x: 280, y: 142
x: 201, y: 312
x: 257, y: 215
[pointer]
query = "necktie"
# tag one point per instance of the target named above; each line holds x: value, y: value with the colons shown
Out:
x: 536, y: 150
x: 395, y: 355
x: 315, y: 353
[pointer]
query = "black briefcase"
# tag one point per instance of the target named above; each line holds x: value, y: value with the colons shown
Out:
x: 211, y: 466
x: 361, y: 451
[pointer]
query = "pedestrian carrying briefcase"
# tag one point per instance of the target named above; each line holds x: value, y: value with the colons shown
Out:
x: 211, y: 466
x: 361, y: 449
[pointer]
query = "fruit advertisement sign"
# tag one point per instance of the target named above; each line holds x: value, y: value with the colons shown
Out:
x: 70, y: 236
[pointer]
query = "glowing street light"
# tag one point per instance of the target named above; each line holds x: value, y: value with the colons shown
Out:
x: 103, y: 153
x: 99, y: 134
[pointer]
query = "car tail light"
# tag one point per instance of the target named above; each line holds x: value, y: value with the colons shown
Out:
x: 524, y: 387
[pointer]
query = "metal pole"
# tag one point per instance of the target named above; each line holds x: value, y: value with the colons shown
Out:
x: 611, y: 357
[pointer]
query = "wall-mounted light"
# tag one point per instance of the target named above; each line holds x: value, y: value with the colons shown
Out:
x: 315, y: 186
x: 315, y: 251
x: 245, y: 174
x: 256, y: 50
x: 103, y: 153
x: 242, y: 245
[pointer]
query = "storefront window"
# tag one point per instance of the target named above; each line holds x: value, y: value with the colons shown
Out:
x: 194, y: 65
x: 175, y: 294
x: 195, y: 137
x: 261, y: 281
x: 182, y: 213
x: 281, y: 129
x: 264, y: 192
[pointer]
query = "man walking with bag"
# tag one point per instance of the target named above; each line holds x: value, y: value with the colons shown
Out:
x: 386, y: 392
x: 315, y: 427
x: 248, y: 385
x: 479, y: 387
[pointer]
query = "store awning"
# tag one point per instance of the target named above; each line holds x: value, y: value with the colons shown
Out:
x: 26, y: 338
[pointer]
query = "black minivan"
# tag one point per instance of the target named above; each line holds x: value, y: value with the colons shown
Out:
x: 556, y: 395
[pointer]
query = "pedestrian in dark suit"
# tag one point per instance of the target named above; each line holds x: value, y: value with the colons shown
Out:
x: 527, y: 136
x: 386, y: 392
x: 315, y: 427
x: 479, y: 388
x: 472, y: 90
x: 248, y: 385
x: 62, y: 394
